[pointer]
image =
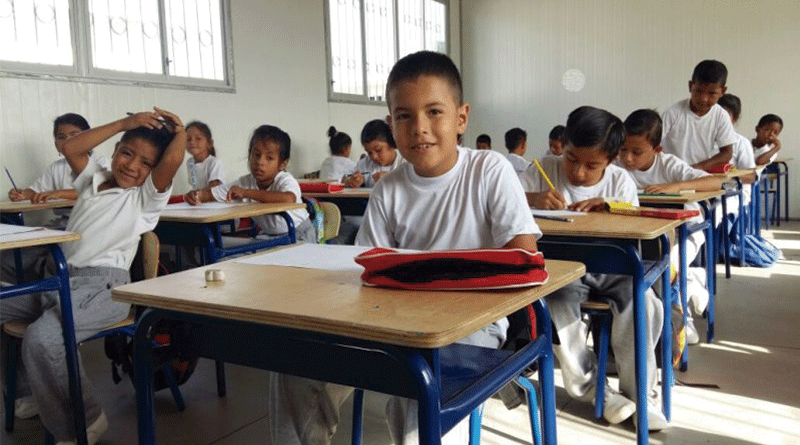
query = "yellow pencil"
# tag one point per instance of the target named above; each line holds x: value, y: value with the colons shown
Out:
x: 544, y: 175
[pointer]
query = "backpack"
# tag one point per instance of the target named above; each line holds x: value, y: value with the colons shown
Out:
x: 758, y: 251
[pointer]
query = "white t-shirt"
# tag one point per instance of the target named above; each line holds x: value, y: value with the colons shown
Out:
x: 519, y: 163
x: 763, y: 149
x: 666, y: 169
x: 368, y: 168
x: 335, y: 167
x: 59, y: 175
x: 743, y: 153
x: 477, y: 204
x: 615, y: 183
x: 696, y: 138
x: 200, y: 174
x: 110, y: 221
x: 269, y: 224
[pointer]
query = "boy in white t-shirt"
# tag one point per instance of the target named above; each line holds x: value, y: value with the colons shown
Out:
x: 584, y: 178
x: 743, y: 158
x: 517, y: 144
x: 483, y: 142
x: 113, y: 209
x: 556, y: 141
x: 695, y: 127
x: 477, y: 188
x: 766, y: 144
x: 656, y: 172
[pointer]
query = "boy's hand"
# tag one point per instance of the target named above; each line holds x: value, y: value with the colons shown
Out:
x: 236, y: 193
x: 171, y: 121
x: 662, y: 188
x: 589, y: 205
x: 354, y: 180
x: 192, y: 197
x: 148, y: 119
x: 777, y: 144
x: 17, y: 195
x: 549, y: 200
x: 40, y: 198
x: 378, y: 175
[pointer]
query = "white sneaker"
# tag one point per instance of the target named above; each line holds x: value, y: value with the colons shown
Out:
x: 656, y: 421
x: 692, y: 337
x: 616, y: 407
x: 93, y: 431
x: 26, y: 407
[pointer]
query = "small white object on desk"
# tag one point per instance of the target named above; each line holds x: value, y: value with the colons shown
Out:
x: 215, y: 275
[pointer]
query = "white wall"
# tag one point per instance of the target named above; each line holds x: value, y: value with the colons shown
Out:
x: 280, y: 69
x: 634, y: 54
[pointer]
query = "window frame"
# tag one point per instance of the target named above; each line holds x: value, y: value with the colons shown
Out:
x: 363, y: 99
x: 82, y: 70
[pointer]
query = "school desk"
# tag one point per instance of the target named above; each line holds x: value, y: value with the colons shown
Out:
x: 200, y: 227
x: 774, y: 170
x: 735, y: 177
x: 12, y: 211
x: 684, y: 230
x: 327, y: 325
x: 609, y: 243
x: 352, y: 202
x: 60, y: 283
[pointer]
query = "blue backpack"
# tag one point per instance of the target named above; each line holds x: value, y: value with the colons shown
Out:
x: 758, y: 251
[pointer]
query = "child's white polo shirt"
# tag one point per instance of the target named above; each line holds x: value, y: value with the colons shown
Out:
x: 696, y: 138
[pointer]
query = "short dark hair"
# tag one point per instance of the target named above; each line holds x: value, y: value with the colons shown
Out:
x: 644, y: 122
x: 377, y: 129
x: 426, y: 63
x: 710, y: 71
x: 589, y: 127
x: 768, y: 119
x: 339, y: 141
x: 206, y: 130
x: 484, y: 138
x: 515, y: 137
x: 275, y: 134
x: 732, y: 104
x: 558, y: 133
x: 160, y: 138
x: 70, y: 119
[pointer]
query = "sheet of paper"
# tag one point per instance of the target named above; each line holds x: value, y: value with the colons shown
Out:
x: 203, y: 206
x: 11, y: 229
x: 558, y: 213
x: 312, y: 256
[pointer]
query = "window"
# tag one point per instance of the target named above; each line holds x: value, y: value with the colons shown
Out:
x: 366, y: 37
x: 183, y: 43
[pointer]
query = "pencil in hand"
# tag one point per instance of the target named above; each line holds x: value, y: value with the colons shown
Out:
x: 544, y: 175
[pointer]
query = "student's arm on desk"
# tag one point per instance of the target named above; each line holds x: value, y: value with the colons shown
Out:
x: 20, y: 195
x: 723, y: 157
x: 54, y: 194
x: 704, y: 184
x: 547, y: 200
x: 526, y: 241
x: 199, y: 196
x: 764, y: 158
x: 265, y: 196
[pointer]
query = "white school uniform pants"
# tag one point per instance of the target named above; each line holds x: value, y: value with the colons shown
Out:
x: 306, y: 412
x: 577, y: 361
x: 43, y: 371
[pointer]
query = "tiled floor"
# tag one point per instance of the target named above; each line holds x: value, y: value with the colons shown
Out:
x: 743, y: 389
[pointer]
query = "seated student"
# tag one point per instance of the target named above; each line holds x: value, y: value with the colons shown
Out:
x: 56, y: 181
x: 405, y: 211
x: 268, y: 155
x: 517, y: 143
x: 483, y: 142
x: 203, y: 168
x: 743, y: 157
x: 656, y: 172
x: 113, y: 209
x: 382, y: 156
x: 766, y: 144
x: 338, y: 164
x: 698, y: 130
x: 556, y: 141
x: 583, y: 178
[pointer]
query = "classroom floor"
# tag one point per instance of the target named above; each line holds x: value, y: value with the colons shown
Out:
x: 743, y: 389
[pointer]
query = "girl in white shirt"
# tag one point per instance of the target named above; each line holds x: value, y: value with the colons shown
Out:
x: 382, y: 156
x: 56, y: 182
x: 203, y: 168
x: 766, y: 144
x: 339, y: 164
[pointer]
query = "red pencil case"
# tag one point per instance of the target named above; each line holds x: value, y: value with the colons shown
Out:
x: 653, y: 212
x: 175, y: 199
x: 453, y: 269
x: 321, y: 187
x: 724, y: 168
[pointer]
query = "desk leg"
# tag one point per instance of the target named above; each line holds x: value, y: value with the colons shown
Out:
x: 726, y: 239
x: 143, y: 379
x: 428, y: 403
x: 766, y: 186
x: 292, y: 232
x: 666, y: 331
x: 682, y: 235
x: 70, y: 345
x: 785, y: 192
x: 640, y: 345
x: 546, y: 365
x: 742, y: 252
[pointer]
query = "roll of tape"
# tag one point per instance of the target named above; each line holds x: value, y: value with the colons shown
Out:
x: 215, y: 275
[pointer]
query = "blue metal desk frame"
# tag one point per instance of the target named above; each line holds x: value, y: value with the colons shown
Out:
x: 208, y: 237
x: 60, y: 283
x: 618, y: 256
x: 444, y: 397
